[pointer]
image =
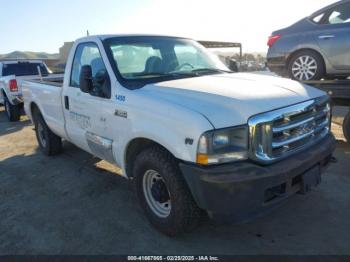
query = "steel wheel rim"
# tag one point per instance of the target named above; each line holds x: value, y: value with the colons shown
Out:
x: 41, y: 135
x: 162, y: 210
x: 7, y: 108
x: 304, y: 68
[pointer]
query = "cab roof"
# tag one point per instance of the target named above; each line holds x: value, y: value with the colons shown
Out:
x: 107, y: 36
x: 14, y: 61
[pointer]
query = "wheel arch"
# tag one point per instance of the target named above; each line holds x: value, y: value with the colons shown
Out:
x: 33, y: 107
x: 6, y: 94
x: 134, y: 148
x: 295, y: 52
x: 3, y: 93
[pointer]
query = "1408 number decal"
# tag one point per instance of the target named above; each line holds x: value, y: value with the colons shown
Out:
x: 121, y: 98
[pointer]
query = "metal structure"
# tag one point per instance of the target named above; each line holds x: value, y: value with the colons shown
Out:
x: 216, y: 44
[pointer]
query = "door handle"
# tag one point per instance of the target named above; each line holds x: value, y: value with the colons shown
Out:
x: 326, y: 36
x: 66, y: 102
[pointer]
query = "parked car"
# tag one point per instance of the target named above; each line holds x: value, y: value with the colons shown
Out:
x: 12, y: 73
x: 192, y: 136
x: 314, y: 48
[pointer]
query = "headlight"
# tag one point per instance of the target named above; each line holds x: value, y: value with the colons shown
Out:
x: 222, y: 146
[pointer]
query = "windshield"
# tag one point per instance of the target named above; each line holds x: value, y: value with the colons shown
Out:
x: 156, y: 58
x: 24, y: 69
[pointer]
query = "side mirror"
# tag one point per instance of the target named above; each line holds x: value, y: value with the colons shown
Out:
x: 86, y: 79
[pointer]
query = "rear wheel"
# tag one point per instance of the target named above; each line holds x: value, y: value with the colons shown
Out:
x: 12, y: 111
x: 163, y: 193
x: 49, y: 143
x: 346, y: 127
x: 306, y: 65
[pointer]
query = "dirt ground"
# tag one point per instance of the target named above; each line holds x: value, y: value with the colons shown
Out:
x: 74, y: 204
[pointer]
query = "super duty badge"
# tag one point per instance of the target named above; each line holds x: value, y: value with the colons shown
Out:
x: 121, y: 113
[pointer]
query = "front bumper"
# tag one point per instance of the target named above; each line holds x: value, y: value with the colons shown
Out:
x: 241, y: 191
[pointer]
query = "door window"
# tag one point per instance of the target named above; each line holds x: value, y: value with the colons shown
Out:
x: 89, y: 54
x: 340, y: 14
x: 317, y: 19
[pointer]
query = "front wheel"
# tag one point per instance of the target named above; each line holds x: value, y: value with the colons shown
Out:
x: 12, y: 111
x: 306, y: 65
x: 49, y: 143
x: 163, y: 193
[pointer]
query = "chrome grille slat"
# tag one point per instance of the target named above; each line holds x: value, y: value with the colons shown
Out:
x: 277, y: 134
x: 295, y: 124
x: 291, y: 126
x: 291, y: 140
x: 301, y: 136
x: 321, y: 126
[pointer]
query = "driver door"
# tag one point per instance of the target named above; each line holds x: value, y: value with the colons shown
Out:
x: 90, y: 120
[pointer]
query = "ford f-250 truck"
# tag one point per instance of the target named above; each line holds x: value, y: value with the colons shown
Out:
x: 191, y: 135
x: 12, y: 73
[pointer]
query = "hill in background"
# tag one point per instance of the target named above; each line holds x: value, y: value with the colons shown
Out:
x: 29, y: 55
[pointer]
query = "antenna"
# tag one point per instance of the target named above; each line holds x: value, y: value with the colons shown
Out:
x: 87, y: 33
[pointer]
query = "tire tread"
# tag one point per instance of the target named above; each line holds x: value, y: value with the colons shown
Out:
x: 54, y: 142
x: 186, y: 216
x: 346, y: 127
x: 15, y: 113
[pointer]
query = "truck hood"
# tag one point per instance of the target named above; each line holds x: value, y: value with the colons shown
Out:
x: 231, y: 99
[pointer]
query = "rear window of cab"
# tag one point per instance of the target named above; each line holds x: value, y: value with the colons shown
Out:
x: 24, y: 69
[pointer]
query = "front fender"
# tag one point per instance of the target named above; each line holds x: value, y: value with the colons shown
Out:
x: 176, y: 128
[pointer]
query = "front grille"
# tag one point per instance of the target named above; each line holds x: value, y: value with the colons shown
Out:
x: 278, y: 134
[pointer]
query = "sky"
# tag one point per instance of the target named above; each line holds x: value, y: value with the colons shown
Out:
x: 42, y: 25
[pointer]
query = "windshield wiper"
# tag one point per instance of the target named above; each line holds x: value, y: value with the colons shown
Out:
x: 210, y: 70
x: 150, y: 74
x: 170, y: 74
x: 192, y: 73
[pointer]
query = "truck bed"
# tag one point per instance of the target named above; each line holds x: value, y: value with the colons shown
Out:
x: 55, y: 80
x: 46, y: 94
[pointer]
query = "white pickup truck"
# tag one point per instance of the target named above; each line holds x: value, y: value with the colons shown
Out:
x: 193, y: 136
x: 12, y: 73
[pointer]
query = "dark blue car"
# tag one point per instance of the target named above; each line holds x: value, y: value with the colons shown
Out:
x: 316, y: 47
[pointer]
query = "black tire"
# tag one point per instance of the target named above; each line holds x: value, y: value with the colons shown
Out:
x: 318, y: 74
x: 346, y: 127
x: 184, y: 214
x: 49, y: 143
x: 13, y: 112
